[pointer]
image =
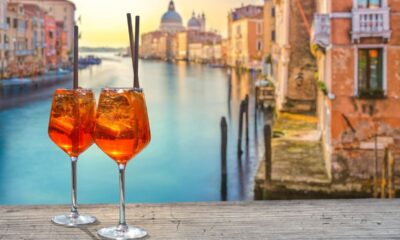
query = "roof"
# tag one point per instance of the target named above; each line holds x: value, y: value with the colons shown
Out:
x: 41, y: 1
x: 171, y: 16
x: 193, y: 22
x: 33, y: 10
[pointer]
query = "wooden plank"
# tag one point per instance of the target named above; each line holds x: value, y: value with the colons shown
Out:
x: 324, y: 219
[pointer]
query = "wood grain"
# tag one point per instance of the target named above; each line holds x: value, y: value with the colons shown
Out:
x: 324, y: 219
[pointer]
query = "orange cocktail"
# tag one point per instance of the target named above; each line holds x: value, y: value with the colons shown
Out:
x: 71, y: 125
x: 72, y: 120
x: 122, y: 130
x: 122, y: 126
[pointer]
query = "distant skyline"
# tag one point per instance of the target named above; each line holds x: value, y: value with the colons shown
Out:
x: 103, y: 22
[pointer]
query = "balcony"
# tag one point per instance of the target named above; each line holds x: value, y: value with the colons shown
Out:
x: 371, y: 23
x: 321, y: 28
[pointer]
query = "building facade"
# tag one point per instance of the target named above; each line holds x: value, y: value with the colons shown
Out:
x: 357, y: 46
x: 245, y: 35
x: 172, y: 40
x: 293, y: 64
x: 4, y: 45
x: 269, y: 28
x: 62, y: 11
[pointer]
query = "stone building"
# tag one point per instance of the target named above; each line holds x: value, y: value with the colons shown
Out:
x: 4, y: 45
x: 172, y: 40
x: 292, y: 62
x: 357, y: 46
x: 18, y: 37
x: 269, y: 27
x: 62, y: 11
x: 35, y: 25
x: 245, y: 35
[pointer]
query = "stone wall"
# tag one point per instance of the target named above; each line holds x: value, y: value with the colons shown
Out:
x: 302, y: 66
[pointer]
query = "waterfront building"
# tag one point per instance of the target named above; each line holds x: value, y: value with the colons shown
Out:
x: 61, y: 44
x: 4, y: 45
x: 171, y: 21
x: 292, y: 62
x: 18, y: 53
x: 195, y: 52
x: 172, y: 40
x: 35, y: 20
x: 50, y: 30
x: 357, y: 46
x: 269, y: 35
x: 245, y: 35
x: 60, y: 10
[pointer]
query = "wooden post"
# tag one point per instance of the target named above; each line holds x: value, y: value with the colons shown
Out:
x: 224, y: 142
x: 268, y: 153
x: 391, y: 176
x: 246, y: 100
x: 384, y: 174
x: 241, y: 112
x: 229, y: 86
x: 255, y: 107
x: 376, y: 184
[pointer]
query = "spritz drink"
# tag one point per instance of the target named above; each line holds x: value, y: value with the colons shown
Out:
x: 71, y: 127
x: 122, y: 130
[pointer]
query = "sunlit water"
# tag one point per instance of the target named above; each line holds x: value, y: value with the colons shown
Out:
x: 182, y: 162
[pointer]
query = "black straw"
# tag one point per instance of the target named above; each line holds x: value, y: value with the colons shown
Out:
x: 136, y: 66
x: 131, y: 44
x: 76, y: 36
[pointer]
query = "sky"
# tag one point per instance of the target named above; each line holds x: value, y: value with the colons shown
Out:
x: 103, y: 22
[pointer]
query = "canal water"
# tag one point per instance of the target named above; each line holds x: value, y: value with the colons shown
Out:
x: 182, y: 162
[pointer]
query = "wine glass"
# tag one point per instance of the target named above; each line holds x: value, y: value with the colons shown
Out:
x: 70, y: 128
x: 122, y: 130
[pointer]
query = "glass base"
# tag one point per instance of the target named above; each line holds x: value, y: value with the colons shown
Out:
x: 73, y: 221
x: 122, y: 232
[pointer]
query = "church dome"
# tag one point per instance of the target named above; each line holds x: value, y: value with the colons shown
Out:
x: 171, y: 18
x: 194, y: 23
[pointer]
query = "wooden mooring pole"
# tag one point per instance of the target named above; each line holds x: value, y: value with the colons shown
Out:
x: 224, y: 142
x: 241, y: 112
x: 384, y: 174
x: 268, y: 153
x: 246, y: 100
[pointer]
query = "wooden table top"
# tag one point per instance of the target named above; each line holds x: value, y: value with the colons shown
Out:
x: 316, y: 219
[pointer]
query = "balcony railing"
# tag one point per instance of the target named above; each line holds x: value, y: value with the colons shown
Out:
x: 371, y: 23
x: 321, y: 28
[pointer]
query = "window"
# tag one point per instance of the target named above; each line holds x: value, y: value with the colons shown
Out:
x: 15, y: 23
x: 50, y: 34
x: 273, y: 35
x: 370, y: 72
x: 259, y: 28
x: 259, y: 45
x: 369, y: 3
x: 273, y: 11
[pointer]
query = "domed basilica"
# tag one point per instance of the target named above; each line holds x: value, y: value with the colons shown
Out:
x: 171, y: 21
x: 175, y: 41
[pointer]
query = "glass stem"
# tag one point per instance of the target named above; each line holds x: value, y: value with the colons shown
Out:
x: 74, y: 207
x: 122, y: 223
